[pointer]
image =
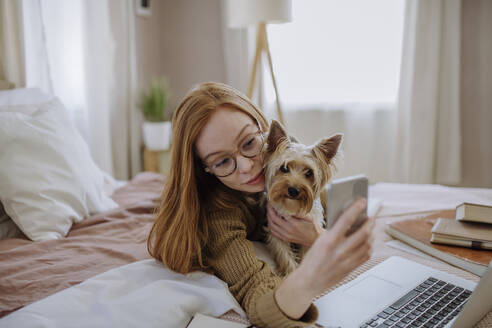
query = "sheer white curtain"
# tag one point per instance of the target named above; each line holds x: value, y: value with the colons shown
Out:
x: 429, y: 133
x: 337, y: 66
x: 83, y: 52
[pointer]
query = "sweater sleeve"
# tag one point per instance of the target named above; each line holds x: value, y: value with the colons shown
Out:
x: 250, y: 280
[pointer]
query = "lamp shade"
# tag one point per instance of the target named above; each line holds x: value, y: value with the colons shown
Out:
x: 242, y: 13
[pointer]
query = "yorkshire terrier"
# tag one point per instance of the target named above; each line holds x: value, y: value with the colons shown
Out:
x: 295, y: 177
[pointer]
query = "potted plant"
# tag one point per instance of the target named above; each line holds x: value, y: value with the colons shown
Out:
x: 157, y: 116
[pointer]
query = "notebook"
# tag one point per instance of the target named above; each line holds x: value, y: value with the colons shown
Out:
x: 417, y: 233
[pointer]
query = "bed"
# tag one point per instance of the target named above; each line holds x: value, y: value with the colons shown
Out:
x: 100, y: 275
x: 103, y: 268
x: 31, y: 270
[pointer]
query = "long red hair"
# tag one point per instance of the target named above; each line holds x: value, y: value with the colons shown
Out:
x: 180, y: 230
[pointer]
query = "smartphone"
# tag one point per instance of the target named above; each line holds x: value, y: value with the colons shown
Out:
x: 342, y: 193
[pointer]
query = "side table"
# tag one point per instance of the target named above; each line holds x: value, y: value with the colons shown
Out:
x: 157, y: 161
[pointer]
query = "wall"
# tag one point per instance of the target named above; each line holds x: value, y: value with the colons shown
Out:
x: 476, y: 92
x: 182, y: 40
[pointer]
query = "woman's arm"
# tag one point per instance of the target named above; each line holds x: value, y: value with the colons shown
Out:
x: 328, y: 261
x: 250, y: 280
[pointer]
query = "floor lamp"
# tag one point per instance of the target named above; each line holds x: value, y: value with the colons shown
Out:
x: 243, y: 13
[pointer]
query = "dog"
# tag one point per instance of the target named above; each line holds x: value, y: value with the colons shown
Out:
x: 295, y: 177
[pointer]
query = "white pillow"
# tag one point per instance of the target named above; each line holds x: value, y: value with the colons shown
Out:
x: 48, y: 178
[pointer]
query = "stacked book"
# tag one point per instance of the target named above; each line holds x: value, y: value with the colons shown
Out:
x: 472, y: 227
x: 461, y: 237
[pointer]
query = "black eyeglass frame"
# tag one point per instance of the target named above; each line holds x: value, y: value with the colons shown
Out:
x: 233, y: 155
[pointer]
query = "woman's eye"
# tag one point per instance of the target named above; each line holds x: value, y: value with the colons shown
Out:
x: 222, y: 162
x: 284, y: 169
x: 248, y: 143
x: 309, y: 173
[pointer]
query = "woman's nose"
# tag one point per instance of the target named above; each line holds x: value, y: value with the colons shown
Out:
x: 244, y: 164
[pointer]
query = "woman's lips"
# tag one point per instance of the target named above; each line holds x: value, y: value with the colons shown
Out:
x: 256, y: 179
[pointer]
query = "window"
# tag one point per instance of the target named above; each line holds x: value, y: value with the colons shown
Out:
x: 337, y: 53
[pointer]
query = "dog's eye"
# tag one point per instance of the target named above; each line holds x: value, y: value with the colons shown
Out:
x: 284, y: 169
x: 309, y: 173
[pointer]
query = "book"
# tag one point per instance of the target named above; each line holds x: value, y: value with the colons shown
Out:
x: 417, y: 233
x: 464, y: 234
x: 474, y: 213
x: 204, y: 321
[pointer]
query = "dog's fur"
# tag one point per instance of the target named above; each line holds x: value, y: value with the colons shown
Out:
x: 295, y: 177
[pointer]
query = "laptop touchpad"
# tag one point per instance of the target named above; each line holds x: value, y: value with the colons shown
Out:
x: 374, y: 290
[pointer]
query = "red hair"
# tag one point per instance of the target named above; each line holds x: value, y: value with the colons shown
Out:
x: 180, y: 230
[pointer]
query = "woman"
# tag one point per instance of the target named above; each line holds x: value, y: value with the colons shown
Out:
x: 208, y: 214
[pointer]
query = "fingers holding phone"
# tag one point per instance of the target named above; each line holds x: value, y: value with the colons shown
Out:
x: 344, y: 223
x: 347, y: 242
x: 346, y: 203
x: 341, y: 194
x: 362, y: 238
x: 334, y: 254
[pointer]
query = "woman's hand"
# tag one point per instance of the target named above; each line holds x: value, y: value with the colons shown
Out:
x: 299, y: 230
x: 332, y: 256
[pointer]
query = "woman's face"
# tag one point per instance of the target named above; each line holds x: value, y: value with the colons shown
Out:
x: 224, y: 134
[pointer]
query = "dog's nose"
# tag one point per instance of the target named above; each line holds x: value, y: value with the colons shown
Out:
x: 293, y: 192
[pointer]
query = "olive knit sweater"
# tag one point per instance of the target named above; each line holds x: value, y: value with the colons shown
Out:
x: 232, y: 258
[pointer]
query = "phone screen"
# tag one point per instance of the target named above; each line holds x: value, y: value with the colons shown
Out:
x: 341, y: 194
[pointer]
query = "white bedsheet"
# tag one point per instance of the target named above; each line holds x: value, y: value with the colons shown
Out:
x: 404, y: 199
x: 140, y: 294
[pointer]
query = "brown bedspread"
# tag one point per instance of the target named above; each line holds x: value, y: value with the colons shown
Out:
x: 30, y: 271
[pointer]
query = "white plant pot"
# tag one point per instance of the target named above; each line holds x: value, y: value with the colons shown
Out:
x: 157, y: 135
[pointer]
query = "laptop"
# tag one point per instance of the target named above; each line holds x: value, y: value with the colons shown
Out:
x: 402, y: 293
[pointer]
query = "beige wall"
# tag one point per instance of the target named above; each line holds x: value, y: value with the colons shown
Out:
x: 182, y: 40
x: 476, y: 92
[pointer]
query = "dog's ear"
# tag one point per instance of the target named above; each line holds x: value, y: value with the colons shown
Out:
x: 293, y: 139
x: 276, y: 135
x: 327, y: 148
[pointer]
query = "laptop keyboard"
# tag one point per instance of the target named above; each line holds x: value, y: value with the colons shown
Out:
x: 433, y: 303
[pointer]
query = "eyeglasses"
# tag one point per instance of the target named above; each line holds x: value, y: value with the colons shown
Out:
x: 250, y: 146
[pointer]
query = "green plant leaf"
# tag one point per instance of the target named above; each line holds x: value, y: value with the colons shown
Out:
x: 154, y: 103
